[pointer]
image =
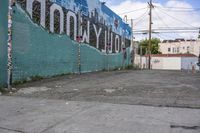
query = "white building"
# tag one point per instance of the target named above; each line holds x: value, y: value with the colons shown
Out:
x: 171, y: 61
x: 180, y: 46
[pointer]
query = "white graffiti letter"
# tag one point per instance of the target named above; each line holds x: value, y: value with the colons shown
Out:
x: 105, y: 44
x: 97, y: 35
x: 29, y: 8
x: 117, y: 43
x: 86, y: 34
x: 73, y: 15
x: 52, y: 10
x: 111, y: 43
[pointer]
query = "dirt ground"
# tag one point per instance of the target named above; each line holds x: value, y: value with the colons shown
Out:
x: 153, y: 88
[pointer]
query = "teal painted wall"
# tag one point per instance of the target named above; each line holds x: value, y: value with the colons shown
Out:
x: 3, y: 41
x: 39, y: 53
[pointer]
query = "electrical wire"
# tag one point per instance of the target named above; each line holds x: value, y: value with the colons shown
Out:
x: 179, y: 8
x: 142, y: 15
x: 145, y: 32
x: 127, y: 12
x: 159, y: 36
x: 166, y: 30
x: 175, y: 18
x: 160, y: 18
x: 141, y: 18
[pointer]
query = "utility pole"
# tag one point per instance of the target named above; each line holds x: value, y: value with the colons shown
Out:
x: 9, y: 76
x: 141, y: 57
x: 150, y: 32
x: 79, y: 39
x: 132, y: 44
x: 124, y: 44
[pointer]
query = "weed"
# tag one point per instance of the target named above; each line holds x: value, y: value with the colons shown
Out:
x: 36, y: 78
x: 3, y: 90
x: 19, y: 82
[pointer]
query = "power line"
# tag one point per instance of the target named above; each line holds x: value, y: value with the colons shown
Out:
x: 161, y: 19
x: 158, y: 32
x: 179, y: 10
x: 168, y: 36
x: 175, y: 10
x: 142, y: 18
x: 127, y: 12
x: 168, y: 29
x: 179, y: 28
x: 183, y: 8
x: 174, y: 17
x: 164, y: 22
x: 159, y: 36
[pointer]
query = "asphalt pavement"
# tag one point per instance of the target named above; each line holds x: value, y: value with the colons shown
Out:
x: 105, y: 102
x: 35, y: 115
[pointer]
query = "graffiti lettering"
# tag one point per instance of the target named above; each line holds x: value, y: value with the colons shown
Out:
x: 95, y: 18
x: 97, y: 35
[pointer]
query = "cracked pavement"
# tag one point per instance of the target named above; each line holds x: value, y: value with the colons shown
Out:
x: 105, y: 102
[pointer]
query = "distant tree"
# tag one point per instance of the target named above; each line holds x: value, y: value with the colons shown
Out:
x: 154, y: 46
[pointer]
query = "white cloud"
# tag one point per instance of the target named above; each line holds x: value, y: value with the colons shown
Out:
x: 162, y: 17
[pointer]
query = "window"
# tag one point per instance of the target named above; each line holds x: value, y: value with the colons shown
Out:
x: 188, y: 49
x: 199, y: 50
x: 173, y: 50
x: 169, y: 49
x: 178, y: 50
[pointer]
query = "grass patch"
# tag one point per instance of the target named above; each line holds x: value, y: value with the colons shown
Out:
x: 3, y: 90
x: 36, y: 78
x: 31, y: 79
x: 60, y: 75
x: 132, y: 67
x: 20, y: 82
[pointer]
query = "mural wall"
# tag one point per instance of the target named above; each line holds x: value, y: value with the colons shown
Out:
x: 45, y: 37
x: 97, y: 25
x: 3, y: 41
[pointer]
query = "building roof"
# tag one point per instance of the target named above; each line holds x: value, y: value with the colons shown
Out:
x: 179, y: 40
x: 171, y: 55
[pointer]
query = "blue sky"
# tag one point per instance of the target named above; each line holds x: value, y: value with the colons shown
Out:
x: 161, y: 17
x: 194, y: 3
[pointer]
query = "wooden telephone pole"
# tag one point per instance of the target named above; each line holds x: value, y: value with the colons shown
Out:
x: 150, y: 32
x: 132, y: 44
